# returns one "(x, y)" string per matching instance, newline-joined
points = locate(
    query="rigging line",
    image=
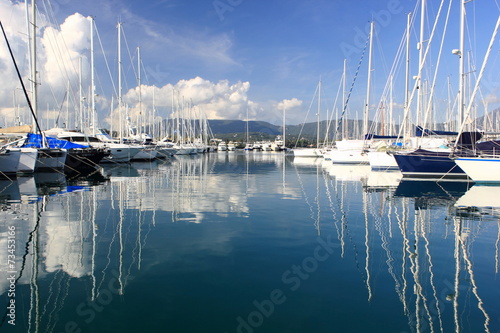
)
(21, 80)
(60, 108)
(430, 102)
(129, 54)
(395, 66)
(308, 110)
(352, 86)
(327, 134)
(105, 60)
(416, 84)
(478, 80)
(57, 49)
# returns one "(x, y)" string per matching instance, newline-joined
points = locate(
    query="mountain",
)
(260, 130)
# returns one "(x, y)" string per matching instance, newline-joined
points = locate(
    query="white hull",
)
(348, 157)
(481, 170)
(120, 153)
(27, 160)
(381, 160)
(350, 145)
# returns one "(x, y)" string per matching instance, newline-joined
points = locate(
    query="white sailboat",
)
(312, 152)
(354, 151)
(482, 169)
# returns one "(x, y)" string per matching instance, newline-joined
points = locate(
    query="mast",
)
(34, 88)
(284, 127)
(119, 26)
(406, 130)
(319, 109)
(368, 86)
(461, 64)
(92, 82)
(80, 93)
(420, 60)
(140, 91)
(344, 90)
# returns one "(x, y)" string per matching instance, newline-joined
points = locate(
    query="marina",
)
(146, 187)
(248, 242)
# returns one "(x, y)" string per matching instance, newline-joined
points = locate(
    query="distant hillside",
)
(261, 130)
(239, 126)
(236, 130)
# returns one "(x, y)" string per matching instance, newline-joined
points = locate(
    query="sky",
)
(242, 59)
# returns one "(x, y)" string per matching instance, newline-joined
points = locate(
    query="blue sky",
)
(231, 58)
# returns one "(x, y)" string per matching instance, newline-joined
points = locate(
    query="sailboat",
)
(484, 168)
(354, 151)
(440, 162)
(48, 158)
(311, 152)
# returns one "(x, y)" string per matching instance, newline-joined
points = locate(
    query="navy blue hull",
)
(427, 164)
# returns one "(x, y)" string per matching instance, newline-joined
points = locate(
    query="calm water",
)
(256, 242)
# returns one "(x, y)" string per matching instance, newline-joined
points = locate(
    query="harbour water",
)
(247, 242)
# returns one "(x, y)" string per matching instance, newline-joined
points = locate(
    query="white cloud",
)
(58, 51)
(12, 16)
(289, 104)
(61, 47)
(217, 100)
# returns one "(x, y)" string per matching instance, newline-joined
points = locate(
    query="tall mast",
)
(120, 82)
(34, 88)
(461, 95)
(420, 60)
(319, 109)
(92, 83)
(140, 91)
(345, 126)
(406, 126)
(368, 86)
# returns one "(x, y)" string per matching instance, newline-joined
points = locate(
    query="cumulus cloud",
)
(216, 100)
(61, 48)
(289, 103)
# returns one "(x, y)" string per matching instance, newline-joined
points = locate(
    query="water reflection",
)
(433, 252)
(424, 253)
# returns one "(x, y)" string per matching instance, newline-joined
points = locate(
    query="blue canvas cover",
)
(35, 141)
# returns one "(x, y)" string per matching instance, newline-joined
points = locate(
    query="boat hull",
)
(9, 161)
(50, 159)
(381, 161)
(27, 160)
(80, 160)
(429, 164)
(481, 170)
(348, 157)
